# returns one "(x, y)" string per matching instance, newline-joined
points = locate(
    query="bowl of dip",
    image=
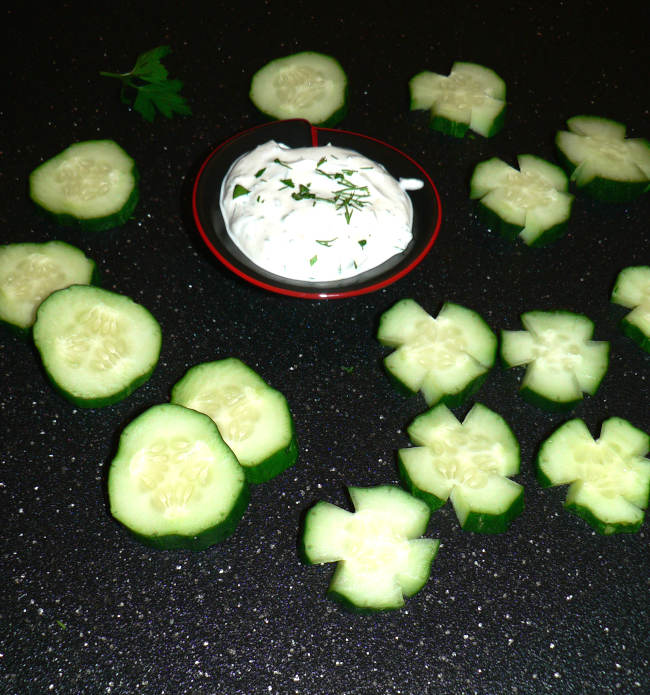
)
(315, 213)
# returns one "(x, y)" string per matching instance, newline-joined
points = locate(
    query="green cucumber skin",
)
(97, 224)
(636, 334)
(355, 609)
(547, 404)
(432, 501)
(584, 513)
(495, 523)
(275, 464)
(459, 130)
(510, 231)
(475, 523)
(104, 401)
(451, 400)
(598, 525)
(203, 540)
(605, 190)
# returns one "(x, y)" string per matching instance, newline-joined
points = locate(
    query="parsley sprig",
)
(148, 89)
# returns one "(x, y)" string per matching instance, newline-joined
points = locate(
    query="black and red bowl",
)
(299, 133)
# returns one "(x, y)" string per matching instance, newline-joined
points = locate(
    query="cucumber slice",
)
(632, 290)
(29, 272)
(562, 360)
(609, 478)
(602, 162)
(447, 357)
(531, 203)
(253, 418)
(380, 557)
(471, 97)
(305, 85)
(97, 346)
(468, 463)
(93, 184)
(173, 482)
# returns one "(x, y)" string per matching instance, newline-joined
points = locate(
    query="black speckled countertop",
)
(548, 607)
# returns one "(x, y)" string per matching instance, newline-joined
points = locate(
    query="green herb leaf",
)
(281, 163)
(362, 242)
(239, 190)
(147, 87)
(326, 242)
(313, 260)
(259, 173)
(288, 183)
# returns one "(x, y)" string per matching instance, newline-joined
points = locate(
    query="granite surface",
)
(549, 606)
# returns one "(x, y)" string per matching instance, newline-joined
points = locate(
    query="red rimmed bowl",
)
(427, 213)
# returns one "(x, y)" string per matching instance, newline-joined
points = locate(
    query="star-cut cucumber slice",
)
(632, 290)
(447, 357)
(471, 97)
(378, 550)
(602, 162)
(530, 203)
(561, 360)
(469, 463)
(608, 478)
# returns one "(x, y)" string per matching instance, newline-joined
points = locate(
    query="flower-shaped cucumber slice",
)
(602, 162)
(381, 557)
(468, 463)
(530, 203)
(562, 361)
(447, 357)
(608, 478)
(632, 290)
(470, 97)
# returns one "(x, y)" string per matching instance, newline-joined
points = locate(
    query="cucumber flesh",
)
(253, 418)
(632, 290)
(602, 162)
(470, 97)
(96, 346)
(561, 359)
(530, 203)
(609, 478)
(469, 463)
(93, 184)
(305, 85)
(174, 483)
(380, 557)
(30, 272)
(446, 357)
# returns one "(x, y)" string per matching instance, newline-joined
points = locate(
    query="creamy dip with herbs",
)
(315, 213)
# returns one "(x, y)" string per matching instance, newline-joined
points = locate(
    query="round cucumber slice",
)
(93, 184)
(97, 346)
(30, 272)
(174, 483)
(253, 418)
(468, 463)
(380, 557)
(305, 85)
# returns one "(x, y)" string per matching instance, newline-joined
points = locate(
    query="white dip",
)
(315, 213)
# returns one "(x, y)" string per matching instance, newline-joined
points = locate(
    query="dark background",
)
(549, 607)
